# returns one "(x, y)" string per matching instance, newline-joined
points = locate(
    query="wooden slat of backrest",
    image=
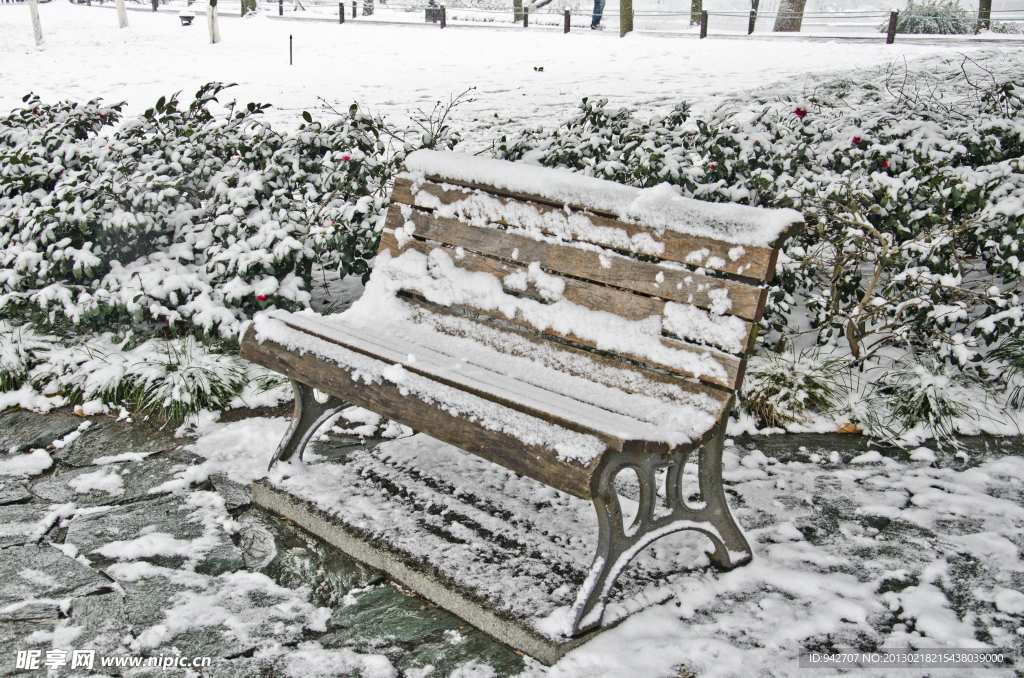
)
(595, 297)
(513, 340)
(754, 262)
(732, 365)
(683, 286)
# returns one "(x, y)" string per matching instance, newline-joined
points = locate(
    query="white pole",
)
(122, 14)
(37, 27)
(211, 18)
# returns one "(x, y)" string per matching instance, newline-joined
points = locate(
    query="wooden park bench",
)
(565, 327)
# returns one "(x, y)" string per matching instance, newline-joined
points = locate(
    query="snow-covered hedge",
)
(934, 16)
(912, 185)
(119, 239)
(180, 218)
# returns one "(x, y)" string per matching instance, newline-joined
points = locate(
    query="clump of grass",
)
(167, 379)
(178, 378)
(21, 348)
(1010, 355)
(781, 389)
(925, 393)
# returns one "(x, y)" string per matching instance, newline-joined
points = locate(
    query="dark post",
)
(753, 16)
(290, 50)
(444, 17)
(890, 37)
(984, 15)
(625, 17)
(341, 12)
(280, 7)
(703, 24)
(566, 26)
(526, 16)
(353, 9)
(155, 4)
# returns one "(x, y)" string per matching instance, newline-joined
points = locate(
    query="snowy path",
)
(397, 69)
(149, 543)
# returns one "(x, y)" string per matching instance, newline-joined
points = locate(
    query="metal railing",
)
(722, 22)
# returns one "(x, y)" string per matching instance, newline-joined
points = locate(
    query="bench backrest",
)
(658, 280)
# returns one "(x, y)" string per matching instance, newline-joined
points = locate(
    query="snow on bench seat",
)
(610, 414)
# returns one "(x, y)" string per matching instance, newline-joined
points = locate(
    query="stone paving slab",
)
(103, 620)
(165, 531)
(22, 524)
(14, 491)
(21, 430)
(32, 572)
(113, 483)
(235, 495)
(110, 438)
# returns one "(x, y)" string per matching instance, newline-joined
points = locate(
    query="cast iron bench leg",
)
(618, 545)
(306, 419)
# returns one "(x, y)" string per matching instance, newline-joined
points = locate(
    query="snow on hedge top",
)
(661, 207)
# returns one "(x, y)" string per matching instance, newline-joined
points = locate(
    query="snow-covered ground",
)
(149, 545)
(397, 69)
(893, 552)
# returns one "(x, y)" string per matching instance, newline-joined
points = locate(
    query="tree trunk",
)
(625, 17)
(211, 19)
(984, 15)
(696, 7)
(37, 28)
(248, 7)
(122, 15)
(791, 16)
(517, 11)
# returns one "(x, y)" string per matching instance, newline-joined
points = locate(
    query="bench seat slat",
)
(514, 340)
(682, 286)
(388, 400)
(754, 262)
(611, 415)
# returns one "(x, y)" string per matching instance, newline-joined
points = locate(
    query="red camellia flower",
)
(855, 141)
(885, 163)
(261, 297)
(346, 158)
(712, 166)
(800, 112)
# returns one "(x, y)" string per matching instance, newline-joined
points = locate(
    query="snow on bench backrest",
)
(551, 250)
(649, 220)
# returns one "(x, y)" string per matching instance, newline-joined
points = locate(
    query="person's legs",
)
(598, 11)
